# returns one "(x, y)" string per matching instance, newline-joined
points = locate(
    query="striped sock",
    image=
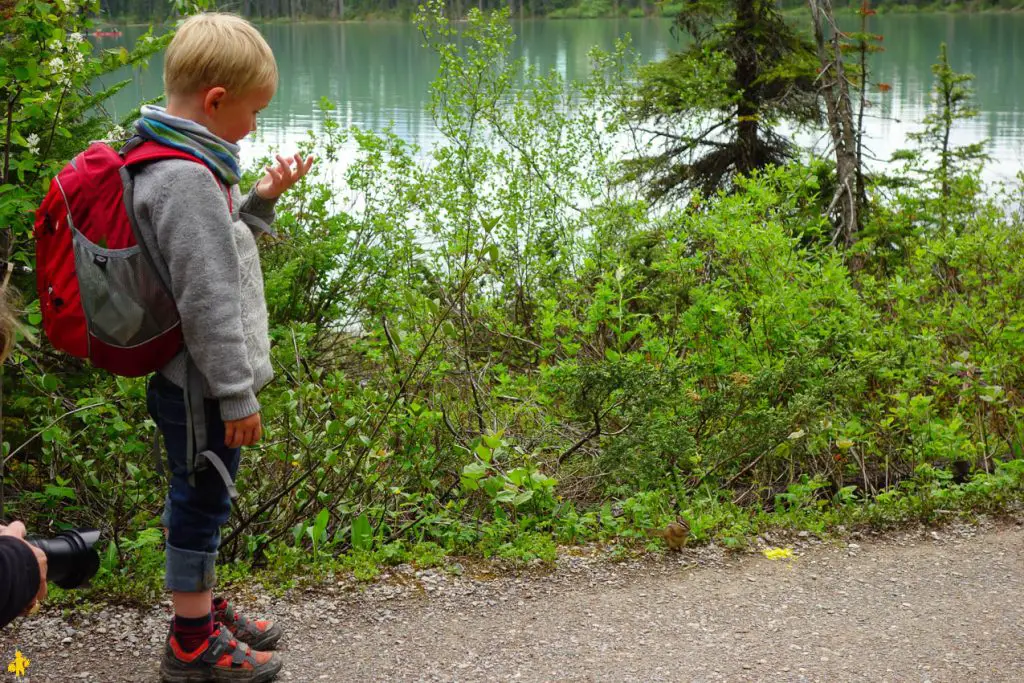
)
(192, 632)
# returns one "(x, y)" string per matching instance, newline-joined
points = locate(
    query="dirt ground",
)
(927, 605)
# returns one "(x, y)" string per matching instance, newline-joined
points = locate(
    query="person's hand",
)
(244, 432)
(17, 529)
(286, 173)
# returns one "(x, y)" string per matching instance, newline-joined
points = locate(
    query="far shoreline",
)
(570, 15)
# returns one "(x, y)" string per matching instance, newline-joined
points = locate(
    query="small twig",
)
(10, 129)
(523, 340)
(392, 346)
(298, 364)
(596, 431)
(451, 429)
(40, 432)
(747, 468)
(56, 118)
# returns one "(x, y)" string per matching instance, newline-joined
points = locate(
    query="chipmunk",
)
(675, 534)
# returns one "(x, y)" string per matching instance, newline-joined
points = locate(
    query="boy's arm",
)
(259, 204)
(262, 209)
(196, 238)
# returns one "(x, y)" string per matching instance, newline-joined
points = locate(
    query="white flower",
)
(63, 71)
(74, 38)
(33, 143)
(115, 134)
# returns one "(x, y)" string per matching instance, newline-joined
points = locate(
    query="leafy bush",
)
(502, 346)
(592, 9)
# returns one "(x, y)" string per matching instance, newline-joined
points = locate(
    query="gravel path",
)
(943, 605)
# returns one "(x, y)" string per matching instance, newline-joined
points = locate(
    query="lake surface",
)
(378, 74)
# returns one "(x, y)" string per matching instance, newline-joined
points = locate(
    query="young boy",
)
(219, 73)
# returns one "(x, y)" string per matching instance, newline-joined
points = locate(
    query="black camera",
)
(71, 559)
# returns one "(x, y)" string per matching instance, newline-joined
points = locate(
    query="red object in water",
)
(107, 34)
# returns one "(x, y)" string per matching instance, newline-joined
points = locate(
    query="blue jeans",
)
(192, 515)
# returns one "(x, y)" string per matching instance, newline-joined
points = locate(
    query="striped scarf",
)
(190, 137)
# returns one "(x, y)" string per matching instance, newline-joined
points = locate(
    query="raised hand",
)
(280, 177)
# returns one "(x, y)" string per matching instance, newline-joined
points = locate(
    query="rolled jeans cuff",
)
(190, 571)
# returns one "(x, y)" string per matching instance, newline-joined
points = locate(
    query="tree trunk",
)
(947, 124)
(845, 207)
(747, 110)
(864, 49)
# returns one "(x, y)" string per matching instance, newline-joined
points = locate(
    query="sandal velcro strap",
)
(221, 644)
(260, 635)
(240, 655)
(224, 643)
(240, 620)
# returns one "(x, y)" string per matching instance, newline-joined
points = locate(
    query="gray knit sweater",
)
(209, 256)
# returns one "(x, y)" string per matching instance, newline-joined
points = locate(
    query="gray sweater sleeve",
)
(195, 237)
(262, 209)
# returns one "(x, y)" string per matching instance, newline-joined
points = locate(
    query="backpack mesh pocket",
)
(124, 301)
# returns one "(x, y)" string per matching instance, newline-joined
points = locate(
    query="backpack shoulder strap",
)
(139, 151)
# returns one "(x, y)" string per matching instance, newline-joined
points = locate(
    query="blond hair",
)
(215, 49)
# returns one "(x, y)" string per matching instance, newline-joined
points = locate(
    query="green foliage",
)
(592, 9)
(47, 106)
(500, 347)
(942, 165)
(522, 549)
(707, 113)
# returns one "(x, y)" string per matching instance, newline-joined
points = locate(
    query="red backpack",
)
(100, 295)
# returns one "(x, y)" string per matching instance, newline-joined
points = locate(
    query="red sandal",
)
(220, 659)
(258, 634)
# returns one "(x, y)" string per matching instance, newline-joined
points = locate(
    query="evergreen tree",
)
(952, 170)
(952, 96)
(709, 111)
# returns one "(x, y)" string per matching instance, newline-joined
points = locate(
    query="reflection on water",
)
(378, 75)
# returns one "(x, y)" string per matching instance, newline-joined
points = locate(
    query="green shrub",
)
(592, 9)
(544, 356)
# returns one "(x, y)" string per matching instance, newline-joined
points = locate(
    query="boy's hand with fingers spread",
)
(244, 432)
(281, 177)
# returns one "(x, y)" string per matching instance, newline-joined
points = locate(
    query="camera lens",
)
(71, 559)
